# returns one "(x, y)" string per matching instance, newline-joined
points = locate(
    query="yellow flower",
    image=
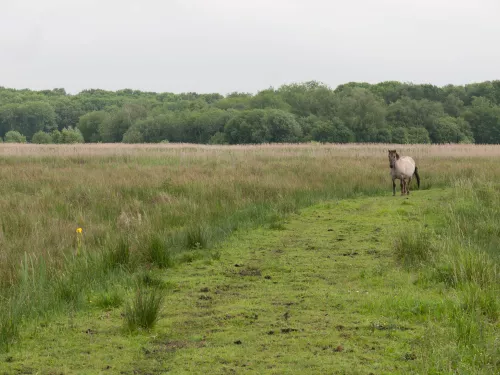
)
(79, 230)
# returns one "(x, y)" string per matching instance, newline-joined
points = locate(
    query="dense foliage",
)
(355, 112)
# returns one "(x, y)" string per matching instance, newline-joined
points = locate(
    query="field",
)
(263, 259)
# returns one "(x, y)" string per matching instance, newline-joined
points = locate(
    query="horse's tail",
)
(417, 176)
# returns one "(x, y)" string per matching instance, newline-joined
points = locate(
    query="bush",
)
(218, 138)
(89, 125)
(133, 136)
(71, 135)
(56, 136)
(13, 136)
(41, 137)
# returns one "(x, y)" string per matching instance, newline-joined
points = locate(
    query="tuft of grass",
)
(461, 266)
(197, 237)
(148, 279)
(68, 291)
(109, 299)
(484, 301)
(158, 253)
(276, 222)
(9, 331)
(469, 329)
(414, 247)
(118, 256)
(144, 310)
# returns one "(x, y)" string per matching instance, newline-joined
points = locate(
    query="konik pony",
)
(402, 168)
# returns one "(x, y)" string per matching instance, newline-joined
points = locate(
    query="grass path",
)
(318, 293)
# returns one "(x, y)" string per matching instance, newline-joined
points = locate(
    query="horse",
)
(402, 168)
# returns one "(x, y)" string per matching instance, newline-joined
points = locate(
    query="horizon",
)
(244, 92)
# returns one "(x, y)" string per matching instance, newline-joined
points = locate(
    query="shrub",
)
(133, 136)
(13, 136)
(71, 135)
(56, 136)
(218, 138)
(41, 137)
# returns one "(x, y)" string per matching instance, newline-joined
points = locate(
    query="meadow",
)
(158, 209)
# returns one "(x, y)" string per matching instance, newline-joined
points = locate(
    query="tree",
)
(282, 126)
(113, 129)
(133, 135)
(90, 123)
(199, 127)
(362, 112)
(67, 111)
(451, 130)
(482, 89)
(418, 135)
(159, 128)
(34, 116)
(333, 131)
(390, 91)
(408, 113)
(8, 117)
(384, 135)
(484, 119)
(453, 106)
(236, 101)
(248, 127)
(400, 135)
(310, 98)
(269, 99)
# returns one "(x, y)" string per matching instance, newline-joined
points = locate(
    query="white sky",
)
(234, 45)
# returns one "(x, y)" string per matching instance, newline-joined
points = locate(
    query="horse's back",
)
(406, 166)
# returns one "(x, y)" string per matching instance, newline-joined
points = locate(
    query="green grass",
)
(323, 294)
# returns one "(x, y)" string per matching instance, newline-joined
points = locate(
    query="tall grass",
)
(144, 311)
(465, 257)
(150, 205)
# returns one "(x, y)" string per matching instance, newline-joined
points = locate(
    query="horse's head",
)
(393, 156)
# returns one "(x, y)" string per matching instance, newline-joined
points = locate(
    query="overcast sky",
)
(234, 45)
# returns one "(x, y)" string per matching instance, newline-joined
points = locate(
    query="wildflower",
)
(79, 237)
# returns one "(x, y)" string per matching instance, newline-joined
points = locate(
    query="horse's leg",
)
(408, 186)
(393, 187)
(402, 185)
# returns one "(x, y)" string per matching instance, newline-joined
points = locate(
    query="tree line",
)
(388, 112)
